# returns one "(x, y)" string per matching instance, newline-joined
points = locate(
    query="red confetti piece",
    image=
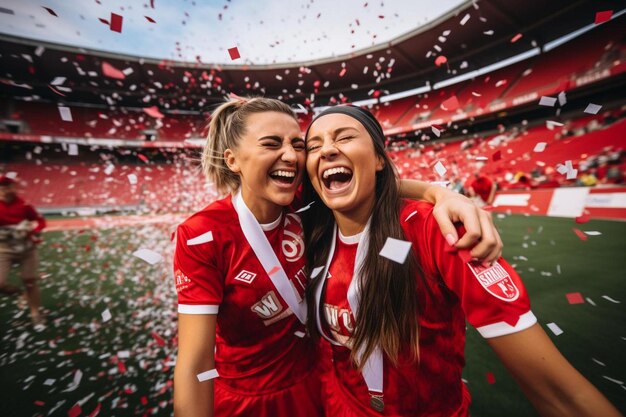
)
(496, 156)
(583, 218)
(152, 3)
(110, 71)
(440, 60)
(581, 235)
(121, 367)
(575, 298)
(75, 411)
(234, 53)
(153, 112)
(450, 104)
(273, 271)
(55, 15)
(342, 72)
(106, 22)
(96, 410)
(56, 91)
(40, 403)
(149, 19)
(144, 400)
(158, 339)
(516, 38)
(491, 378)
(604, 16)
(116, 23)
(143, 157)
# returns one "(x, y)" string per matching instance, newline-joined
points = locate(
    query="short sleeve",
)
(199, 283)
(493, 299)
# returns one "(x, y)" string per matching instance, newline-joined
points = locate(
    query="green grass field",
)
(82, 365)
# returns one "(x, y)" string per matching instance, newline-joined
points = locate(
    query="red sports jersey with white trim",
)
(450, 291)
(259, 343)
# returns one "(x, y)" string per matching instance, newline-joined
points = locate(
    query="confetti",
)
(582, 236)
(540, 147)
(547, 101)
(49, 381)
(299, 333)
(110, 71)
(78, 376)
(436, 131)
(491, 378)
(207, 375)
(305, 208)
(49, 10)
(590, 301)
(598, 362)
(75, 411)
(606, 297)
(342, 72)
(58, 81)
(316, 271)
(153, 112)
(583, 218)
(396, 250)
(550, 124)
(149, 19)
(593, 108)
(6, 11)
(440, 60)
(148, 255)
(410, 215)
(203, 238)
(516, 38)
(66, 114)
(555, 329)
(116, 23)
(562, 98)
(234, 53)
(450, 104)
(72, 149)
(274, 270)
(440, 169)
(593, 233)
(132, 179)
(575, 298)
(106, 315)
(481, 158)
(496, 156)
(465, 19)
(603, 16)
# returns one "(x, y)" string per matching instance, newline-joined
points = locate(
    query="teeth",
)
(288, 174)
(338, 170)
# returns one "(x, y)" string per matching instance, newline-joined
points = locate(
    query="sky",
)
(264, 32)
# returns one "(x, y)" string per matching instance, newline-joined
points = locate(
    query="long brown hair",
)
(227, 126)
(388, 307)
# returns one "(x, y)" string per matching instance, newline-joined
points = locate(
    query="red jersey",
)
(17, 211)
(260, 343)
(450, 291)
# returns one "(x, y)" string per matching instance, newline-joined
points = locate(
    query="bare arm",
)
(549, 381)
(196, 344)
(481, 234)
(492, 194)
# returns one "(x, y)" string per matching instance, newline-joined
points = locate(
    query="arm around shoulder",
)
(196, 346)
(549, 381)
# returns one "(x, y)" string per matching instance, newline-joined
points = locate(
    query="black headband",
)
(364, 117)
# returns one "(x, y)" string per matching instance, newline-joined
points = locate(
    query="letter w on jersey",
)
(496, 281)
(269, 307)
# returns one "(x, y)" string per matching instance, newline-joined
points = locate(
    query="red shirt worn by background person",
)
(259, 348)
(482, 187)
(493, 300)
(17, 211)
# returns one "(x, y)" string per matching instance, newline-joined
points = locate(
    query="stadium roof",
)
(470, 37)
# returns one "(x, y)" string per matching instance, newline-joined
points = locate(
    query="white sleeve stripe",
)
(501, 328)
(198, 309)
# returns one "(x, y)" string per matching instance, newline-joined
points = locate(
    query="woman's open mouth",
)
(336, 179)
(283, 177)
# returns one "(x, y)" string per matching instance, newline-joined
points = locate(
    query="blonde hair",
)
(228, 124)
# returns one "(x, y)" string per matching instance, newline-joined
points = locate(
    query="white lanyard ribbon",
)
(268, 259)
(373, 368)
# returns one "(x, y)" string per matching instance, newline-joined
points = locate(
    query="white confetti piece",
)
(555, 329)
(410, 215)
(109, 169)
(106, 315)
(465, 19)
(148, 255)
(440, 169)
(617, 381)
(316, 271)
(436, 131)
(299, 333)
(551, 124)
(128, 71)
(590, 301)
(78, 376)
(203, 238)
(598, 362)
(123, 354)
(540, 147)
(482, 158)
(593, 233)
(488, 32)
(207, 375)
(547, 101)
(571, 174)
(396, 250)
(606, 297)
(72, 149)
(132, 179)
(39, 50)
(558, 269)
(562, 98)
(66, 114)
(49, 381)
(593, 108)
(58, 81)
(305, 208)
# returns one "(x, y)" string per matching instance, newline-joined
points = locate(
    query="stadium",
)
(107, 146)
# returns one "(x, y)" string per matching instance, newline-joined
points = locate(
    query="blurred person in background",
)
(20, 225)
(481, 190)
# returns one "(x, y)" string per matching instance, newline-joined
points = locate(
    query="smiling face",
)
(342, 165)
(269, 159)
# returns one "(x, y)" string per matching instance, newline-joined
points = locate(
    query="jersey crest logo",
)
(293, 241)
(182, 280)
(246, 276)
(268, 307)
(496, 281)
